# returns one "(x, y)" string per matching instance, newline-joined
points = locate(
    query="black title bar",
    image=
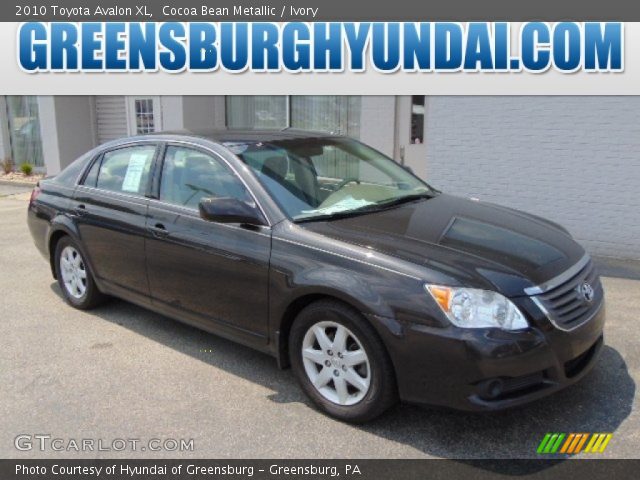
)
(275, 469)
(318, 10)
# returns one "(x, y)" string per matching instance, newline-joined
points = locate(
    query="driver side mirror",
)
(230, 210)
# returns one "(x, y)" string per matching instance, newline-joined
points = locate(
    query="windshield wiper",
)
(374, 207)
(405, 199)
(336, 215)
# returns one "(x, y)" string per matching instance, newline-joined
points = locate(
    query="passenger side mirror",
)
(229, 210)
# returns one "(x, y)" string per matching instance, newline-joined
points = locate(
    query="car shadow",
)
(599, 403)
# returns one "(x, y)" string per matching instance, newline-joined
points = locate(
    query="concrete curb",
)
(17, 184)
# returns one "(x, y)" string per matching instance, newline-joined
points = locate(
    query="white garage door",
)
(111, 117)
(575, 160)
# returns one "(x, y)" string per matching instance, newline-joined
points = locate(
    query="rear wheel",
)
(75, 277)
(341, 363)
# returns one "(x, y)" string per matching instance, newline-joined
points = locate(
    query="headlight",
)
(473, 308)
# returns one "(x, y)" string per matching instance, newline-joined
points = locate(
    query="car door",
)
(215, 274)
(110, 208)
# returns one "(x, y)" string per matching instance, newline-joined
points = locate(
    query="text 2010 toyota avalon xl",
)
(315, 248)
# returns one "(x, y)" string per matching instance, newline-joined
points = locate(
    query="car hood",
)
(474, 243)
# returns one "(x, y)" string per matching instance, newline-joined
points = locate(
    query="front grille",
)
(565, 306)
(519, 384)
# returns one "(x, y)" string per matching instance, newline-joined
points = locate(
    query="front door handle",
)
(159, 230)
(80, 209)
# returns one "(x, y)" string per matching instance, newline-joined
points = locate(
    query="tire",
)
(339, 392)
(75, 277)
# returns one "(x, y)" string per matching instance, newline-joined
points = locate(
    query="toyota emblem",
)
(586, 291)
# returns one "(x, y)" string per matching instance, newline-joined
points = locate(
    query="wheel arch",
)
(55, 237)
(61, 226)
(298, 304)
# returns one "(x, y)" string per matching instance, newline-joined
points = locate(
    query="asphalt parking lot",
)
(124, 372)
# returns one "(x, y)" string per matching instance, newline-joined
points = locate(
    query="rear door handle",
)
(159, 230)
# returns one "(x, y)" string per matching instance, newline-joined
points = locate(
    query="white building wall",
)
(203, 112)
(49, 134)
(67, 127)
(192, 112)
(172, 112)
(219, 112)
(377, 122)
(575, 160)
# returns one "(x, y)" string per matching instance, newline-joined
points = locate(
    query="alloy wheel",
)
(74, 273)
(336, 363)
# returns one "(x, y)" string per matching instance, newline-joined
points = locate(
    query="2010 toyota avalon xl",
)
(321, 251)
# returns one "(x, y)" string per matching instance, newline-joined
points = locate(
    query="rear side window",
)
(70, 174)
(126, 170)
(92, 175)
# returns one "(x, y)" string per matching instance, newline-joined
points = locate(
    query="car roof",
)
(256, 135)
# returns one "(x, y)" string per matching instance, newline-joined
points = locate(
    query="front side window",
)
(126, 170)
(312, 178)
(190, 175)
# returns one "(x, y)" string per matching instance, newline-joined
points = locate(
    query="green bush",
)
(7, 165)
(26, 168)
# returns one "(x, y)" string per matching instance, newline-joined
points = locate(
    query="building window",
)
(331, 113)
(144, 115)
(24, 130)
(257, 111)
(417, 119)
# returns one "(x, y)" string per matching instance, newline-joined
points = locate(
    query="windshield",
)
(313, 178)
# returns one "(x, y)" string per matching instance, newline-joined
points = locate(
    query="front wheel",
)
(341, 363)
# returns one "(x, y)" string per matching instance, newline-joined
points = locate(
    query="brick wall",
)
(575, 160)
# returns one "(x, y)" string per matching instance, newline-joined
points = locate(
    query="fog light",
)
(491, 389)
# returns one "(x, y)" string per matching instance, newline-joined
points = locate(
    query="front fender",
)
(301, 273)
(328, 281)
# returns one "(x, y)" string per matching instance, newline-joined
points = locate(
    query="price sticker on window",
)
(133, 177)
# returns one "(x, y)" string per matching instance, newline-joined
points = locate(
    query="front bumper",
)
(491, 369)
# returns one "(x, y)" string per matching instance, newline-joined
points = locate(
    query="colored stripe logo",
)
(574, 443)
